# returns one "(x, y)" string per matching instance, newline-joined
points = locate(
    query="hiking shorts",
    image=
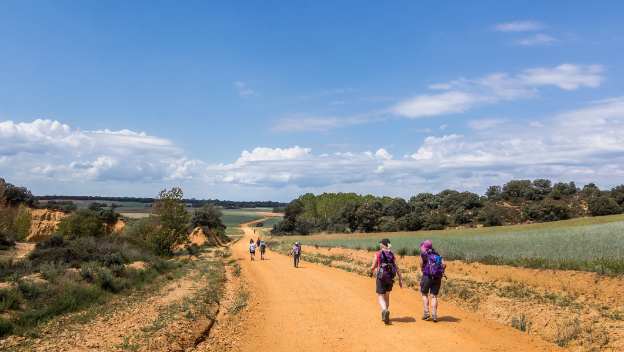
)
(430, 284)
(383, 287)
(262, 250)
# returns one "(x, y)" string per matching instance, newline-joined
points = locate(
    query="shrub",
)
(10, 298)
(52, 270)
(89, 270)
(6, 241)
(548, 210)
(83, 223)
(603, 205)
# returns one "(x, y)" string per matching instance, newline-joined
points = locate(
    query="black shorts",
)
(383, 287)
(262, 249)
(430, 284)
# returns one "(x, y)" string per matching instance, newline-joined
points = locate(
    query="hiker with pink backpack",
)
(385, 265)
(432, 272)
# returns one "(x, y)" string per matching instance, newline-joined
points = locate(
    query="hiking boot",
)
(435, 318)
(425, 316)
(386, 317)
(383, 315)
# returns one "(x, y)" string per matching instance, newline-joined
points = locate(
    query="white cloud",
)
(583, 145)
(565, 76)
(243, 89)
(519, 26)
(436, 104)
(463, 94)
(537, 39)
(51, 149)
(485, 124)
(272, 154)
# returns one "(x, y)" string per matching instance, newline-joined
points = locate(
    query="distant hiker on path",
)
(262, 249)
(385, 265)
(432, 272)
(252, 249)
(296, 253)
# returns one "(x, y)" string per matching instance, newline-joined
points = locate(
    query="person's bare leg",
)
(425, 299)
(382, 302)
(387, 299)
(434, 307)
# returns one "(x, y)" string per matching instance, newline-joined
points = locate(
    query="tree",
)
(547, 210)
(397, 208)
(83, 223)
(173, 218)
(368, 215)
(411, 222)
(617, 193)
(494, 193)
(208, 216)
(541, 188)
(491, 215)
(591, 190)
(561, 190)
(603, 205)
(518, 190)
(13, 196)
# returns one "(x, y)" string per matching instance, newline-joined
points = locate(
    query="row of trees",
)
(195, 203)
(515, 202)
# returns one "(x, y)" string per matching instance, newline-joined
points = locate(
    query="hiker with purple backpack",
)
(385, 265)
(432, 272)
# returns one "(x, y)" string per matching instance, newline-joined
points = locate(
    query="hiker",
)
(432, 272)
(385, 265)
(258, 242)
(262, 249)
(252, 249)
(296, 253)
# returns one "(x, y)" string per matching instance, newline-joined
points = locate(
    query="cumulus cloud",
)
(49, 148)
(583, 145)
(519, 26)
(586, 144)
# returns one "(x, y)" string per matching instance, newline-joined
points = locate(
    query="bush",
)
(388, 224)
(83, 223)
(603, 205)
(6, 241)
(10, 298)
(548, 210)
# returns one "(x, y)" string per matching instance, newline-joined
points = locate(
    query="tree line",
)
(195, 203)
(517, 201)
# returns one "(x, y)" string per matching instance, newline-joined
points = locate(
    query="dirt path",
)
(315, 308)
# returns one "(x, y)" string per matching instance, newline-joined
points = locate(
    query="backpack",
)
(262, 245)
(434, 266)
(296, 250)
(387, 267)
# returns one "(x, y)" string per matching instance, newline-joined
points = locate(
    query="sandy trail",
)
(316, 308)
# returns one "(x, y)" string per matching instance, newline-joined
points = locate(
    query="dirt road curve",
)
(315, 308)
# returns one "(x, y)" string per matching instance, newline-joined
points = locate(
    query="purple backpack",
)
(434, 266)
(387, 268)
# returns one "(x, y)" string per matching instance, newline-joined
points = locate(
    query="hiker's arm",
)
(399, 275)
(373, 266)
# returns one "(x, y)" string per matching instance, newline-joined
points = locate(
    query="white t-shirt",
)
(252, 246)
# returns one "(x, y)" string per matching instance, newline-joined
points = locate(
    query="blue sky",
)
(268, 100)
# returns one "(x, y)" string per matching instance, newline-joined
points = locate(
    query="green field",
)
(589, 244)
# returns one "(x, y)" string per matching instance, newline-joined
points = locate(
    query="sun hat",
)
(386, 243)
(425, 245)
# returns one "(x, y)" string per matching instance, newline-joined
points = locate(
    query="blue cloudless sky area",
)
(217, 78)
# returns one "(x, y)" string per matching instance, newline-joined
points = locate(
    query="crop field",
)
(592, 244)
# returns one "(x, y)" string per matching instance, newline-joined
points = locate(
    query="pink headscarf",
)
(425, 246)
